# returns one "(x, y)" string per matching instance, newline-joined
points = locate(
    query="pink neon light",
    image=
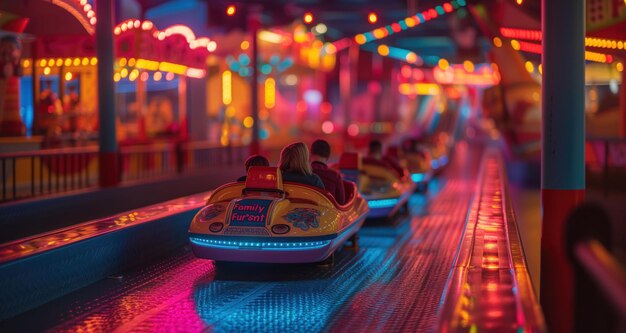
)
(178, 29)
(530, 47)
(521, 33)
(81, 10)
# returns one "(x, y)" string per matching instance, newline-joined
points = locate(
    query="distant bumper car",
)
(385, 190)
(440, 151)
(265, 220)
(419, 164)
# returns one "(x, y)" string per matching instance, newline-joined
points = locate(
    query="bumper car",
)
(419, 164)
(267, 221)
(440, 152)
(385, 190)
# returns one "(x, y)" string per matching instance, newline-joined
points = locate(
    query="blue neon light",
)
(440, 162)
(270, 246)
(382, 203)
(434, 164)
(418, 177)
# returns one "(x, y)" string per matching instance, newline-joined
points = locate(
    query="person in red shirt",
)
(333, 182)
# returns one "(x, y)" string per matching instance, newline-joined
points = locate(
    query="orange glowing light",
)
(411, 57)
(468, 65)
(308, 18)
(497, 42)
(383, 50)
(230, 10)
(372, 18)
(515, 45)
(360, 39)
(443, 64)
(330, 48)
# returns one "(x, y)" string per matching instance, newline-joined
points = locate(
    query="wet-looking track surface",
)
(393, 283)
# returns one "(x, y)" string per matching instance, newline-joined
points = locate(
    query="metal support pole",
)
(563, 150)
(106, 93)
(253, 26)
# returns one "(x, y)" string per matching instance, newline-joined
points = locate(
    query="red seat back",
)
(349, 166)
(264, 179)
(349, 161)
(393, 152)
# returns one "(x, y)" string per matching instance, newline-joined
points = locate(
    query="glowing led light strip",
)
(86, 18)
(535, 35)
(269, 245)
(398, 53)
(178, 29)
(404, 24)
(419, 88)
(536, 48)
(382, 203)
(152, 65)
(480, 75)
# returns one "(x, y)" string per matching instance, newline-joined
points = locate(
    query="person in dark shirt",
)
(254, 160)
(295, 166)
(333, 182)
(375, 157)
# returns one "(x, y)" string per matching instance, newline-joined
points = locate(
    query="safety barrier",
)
(37, 269)
(599, 278)
(489, 287)
(45, 172)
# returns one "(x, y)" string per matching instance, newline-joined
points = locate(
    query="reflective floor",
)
(393, 283)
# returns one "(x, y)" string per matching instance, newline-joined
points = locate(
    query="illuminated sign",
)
(249, 212)
(481, 75)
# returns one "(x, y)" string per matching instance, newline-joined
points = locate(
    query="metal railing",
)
(33, 174)
(599, 278)
(44, 172)
(148, 161)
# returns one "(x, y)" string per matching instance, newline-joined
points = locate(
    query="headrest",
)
(393, 152)
(266, 178)
(349, 161)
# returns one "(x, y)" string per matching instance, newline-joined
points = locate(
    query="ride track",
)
(393, 283)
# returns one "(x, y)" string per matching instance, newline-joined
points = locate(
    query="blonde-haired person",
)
(295, 165)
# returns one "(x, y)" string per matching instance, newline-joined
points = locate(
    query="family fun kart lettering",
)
(249, 212)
